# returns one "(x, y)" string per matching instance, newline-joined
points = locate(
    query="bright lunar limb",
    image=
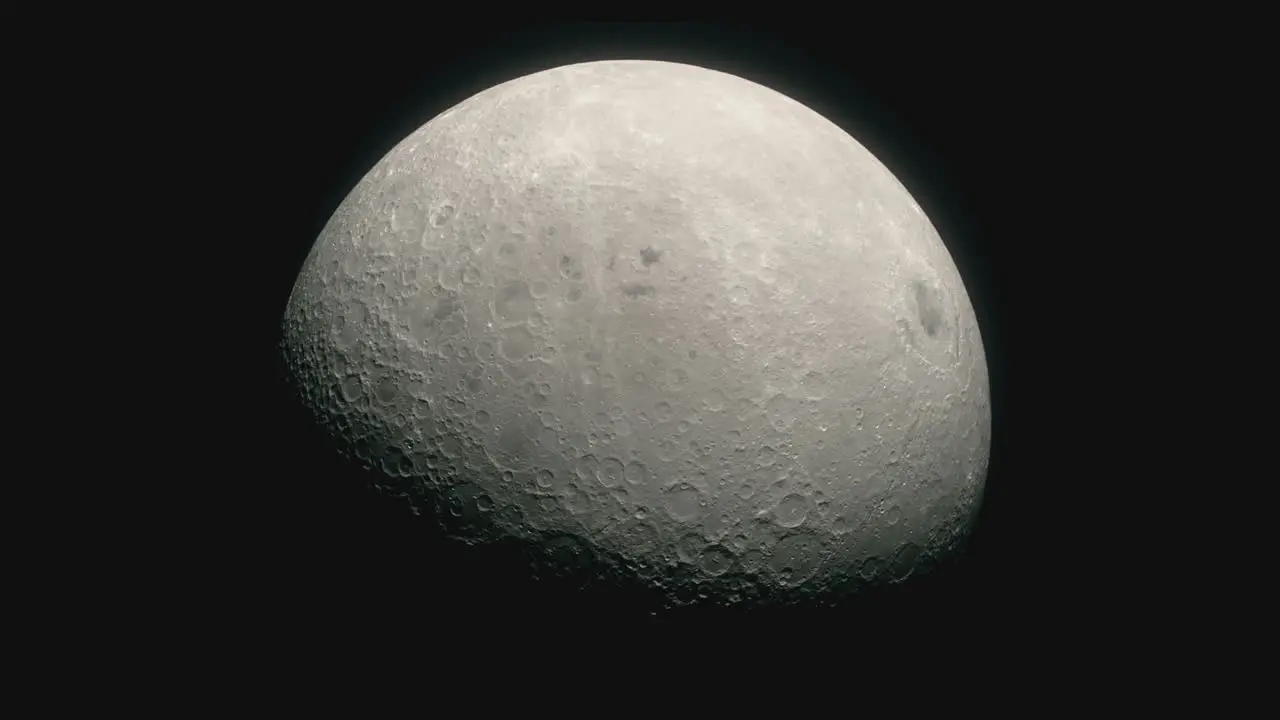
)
(655, 322)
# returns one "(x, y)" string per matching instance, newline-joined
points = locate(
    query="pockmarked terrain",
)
(655, 324)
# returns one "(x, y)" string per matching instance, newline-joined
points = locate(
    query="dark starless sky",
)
(947, 110)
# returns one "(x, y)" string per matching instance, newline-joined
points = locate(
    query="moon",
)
(653, 324)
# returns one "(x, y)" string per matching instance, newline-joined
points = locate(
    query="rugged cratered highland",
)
(654, 323)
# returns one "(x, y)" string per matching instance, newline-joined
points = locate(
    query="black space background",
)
(965, 117)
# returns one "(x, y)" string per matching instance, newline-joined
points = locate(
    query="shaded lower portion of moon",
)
(636, 563)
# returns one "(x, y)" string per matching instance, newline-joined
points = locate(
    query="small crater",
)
(588, 467)
(442, 215)
(446, 304)
(466, 503)
(515, 302)
(689, 547)
(636, 473)
(387, 389)
(683, 502)
(893, 515)
(509, 253)
(716, 400)
(471, 274)
(815, 385)
(752, 560)
(351, 388)
(795, 559)
(669, 449)
(611, 472)
(904, 562)
(677, 379)
(436, 313)
(766, 456)
(716, 560)
(640, 536)
(517, 343)
(871, 569)
(663, 411)
(570, 268)
(792, 511)
(649, 256)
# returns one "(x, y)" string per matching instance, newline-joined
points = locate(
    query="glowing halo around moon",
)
(656, 323)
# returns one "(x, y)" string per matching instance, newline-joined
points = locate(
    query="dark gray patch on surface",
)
(649, 256)
(928, 307)
(441, 215)
(570, 268)
(634, 290)
(447, 303)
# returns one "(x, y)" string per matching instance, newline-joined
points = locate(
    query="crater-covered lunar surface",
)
(659, 324)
